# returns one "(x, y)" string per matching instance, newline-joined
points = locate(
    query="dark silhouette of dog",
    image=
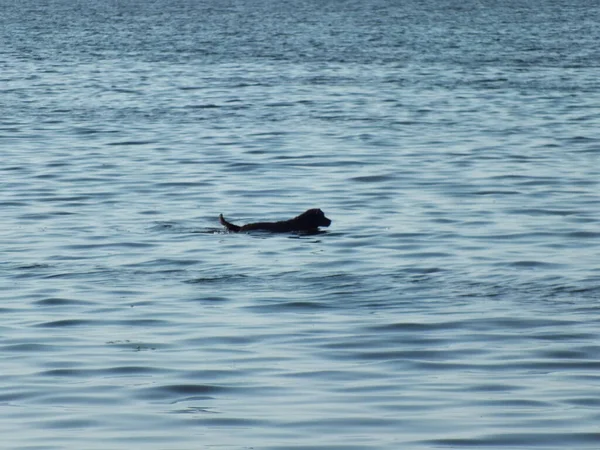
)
(307, 222)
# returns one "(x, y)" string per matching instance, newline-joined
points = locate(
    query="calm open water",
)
(453, 303)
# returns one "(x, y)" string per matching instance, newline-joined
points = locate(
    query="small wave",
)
(67, 424)
(542, 212)
(130, 143)
(374, 178)
(217, 279)
(58, 301)
(173, 391)
(66, 323)
(290, 307)
(497, 192)
(519, 440)
(29, 348)
(530, 264)
(203, 106)
(584, 234)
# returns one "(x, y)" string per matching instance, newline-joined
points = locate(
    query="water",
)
(454, 301)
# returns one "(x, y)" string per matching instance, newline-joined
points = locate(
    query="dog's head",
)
(314, 218)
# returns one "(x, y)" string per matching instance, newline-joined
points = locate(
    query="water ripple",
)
(452, 303)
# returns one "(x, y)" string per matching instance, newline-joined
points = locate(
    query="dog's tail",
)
(229, 226)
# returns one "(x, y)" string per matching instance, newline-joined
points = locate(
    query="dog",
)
(309, 222)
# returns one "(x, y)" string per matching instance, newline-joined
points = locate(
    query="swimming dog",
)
(308, 221)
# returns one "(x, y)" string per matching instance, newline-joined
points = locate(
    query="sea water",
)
(453, 303)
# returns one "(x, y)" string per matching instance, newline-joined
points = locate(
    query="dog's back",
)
(309, 220)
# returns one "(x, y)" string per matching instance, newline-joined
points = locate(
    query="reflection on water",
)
(452, 303)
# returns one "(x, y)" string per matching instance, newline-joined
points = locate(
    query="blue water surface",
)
(453, 303)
